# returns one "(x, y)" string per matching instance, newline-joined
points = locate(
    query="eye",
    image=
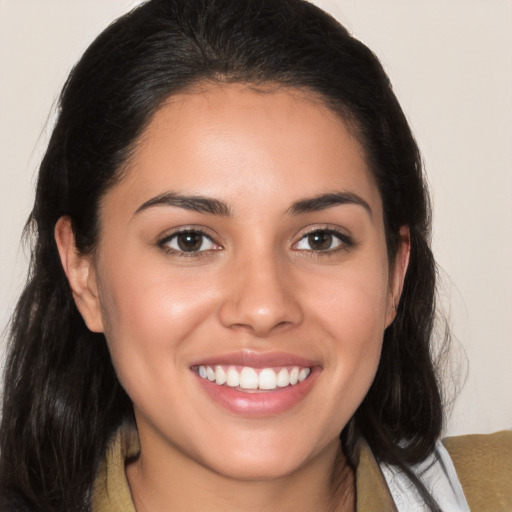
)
(323, 240)
(189, 242)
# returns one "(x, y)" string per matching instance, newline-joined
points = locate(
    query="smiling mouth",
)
(253, 379)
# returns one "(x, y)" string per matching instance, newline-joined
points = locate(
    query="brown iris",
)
(189, 241)
(320, 240)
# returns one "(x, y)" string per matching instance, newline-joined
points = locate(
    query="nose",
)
(259, 297)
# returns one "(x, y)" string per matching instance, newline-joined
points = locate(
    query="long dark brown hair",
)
(62, 401)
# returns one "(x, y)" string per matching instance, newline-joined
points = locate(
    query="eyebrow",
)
(212, 206)
(199, 204)
(329, 200)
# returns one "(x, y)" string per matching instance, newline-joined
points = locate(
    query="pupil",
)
(189, 242)
(320, 241)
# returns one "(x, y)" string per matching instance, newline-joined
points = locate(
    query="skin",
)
(258, 287)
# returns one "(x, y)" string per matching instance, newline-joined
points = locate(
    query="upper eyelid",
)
(336, 230)
(167, 235)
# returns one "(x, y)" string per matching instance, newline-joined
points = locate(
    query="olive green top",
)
(483, 464)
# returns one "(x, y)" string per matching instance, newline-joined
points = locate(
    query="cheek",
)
(352, 303)
(152, 298)
(351, 307)
(147, 316)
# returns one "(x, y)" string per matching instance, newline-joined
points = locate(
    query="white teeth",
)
(267, 379)
(283, 378)
(249, 378)
(303, 374)
(220, 375)
(210, 374)
(232, 377)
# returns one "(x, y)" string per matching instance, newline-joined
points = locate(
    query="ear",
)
(397, 273)
(79, 270)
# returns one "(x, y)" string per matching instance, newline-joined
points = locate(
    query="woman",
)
(232, 292)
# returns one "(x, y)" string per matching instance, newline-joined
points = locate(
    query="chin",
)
(258, 467)
(266, 459)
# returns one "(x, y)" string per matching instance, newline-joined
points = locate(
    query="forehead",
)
(227, 140)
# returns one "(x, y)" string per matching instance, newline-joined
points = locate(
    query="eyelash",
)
(345, 242)
(165, 242)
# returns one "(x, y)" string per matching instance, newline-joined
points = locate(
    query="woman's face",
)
(244, 243)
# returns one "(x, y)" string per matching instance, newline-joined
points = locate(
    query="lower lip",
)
(257, 403)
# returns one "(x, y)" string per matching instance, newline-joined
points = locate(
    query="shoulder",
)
(484, 466)
(110, 492)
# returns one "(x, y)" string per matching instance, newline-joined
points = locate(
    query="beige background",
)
(451, 65)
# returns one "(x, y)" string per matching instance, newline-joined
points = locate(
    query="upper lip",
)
(256, 359)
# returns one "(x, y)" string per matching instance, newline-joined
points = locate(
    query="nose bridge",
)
(259, 298)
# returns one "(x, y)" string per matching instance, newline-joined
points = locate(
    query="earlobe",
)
(81, 275)
(398, 273)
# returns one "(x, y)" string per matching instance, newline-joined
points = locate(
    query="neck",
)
(326, 484)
